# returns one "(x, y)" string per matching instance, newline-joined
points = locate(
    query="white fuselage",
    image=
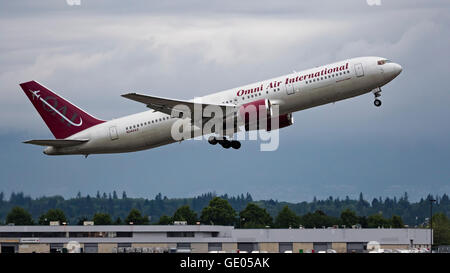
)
(293, 92)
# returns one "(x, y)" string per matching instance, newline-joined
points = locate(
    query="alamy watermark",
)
(73, 2)
(257, 120)
(373, 2)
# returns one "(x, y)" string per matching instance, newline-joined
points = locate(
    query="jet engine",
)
(283, 121)
(255, 113)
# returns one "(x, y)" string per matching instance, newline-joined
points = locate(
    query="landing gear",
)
(377, 102)
(212, 140)
(377, 93)
(225, 143)
(235, 144)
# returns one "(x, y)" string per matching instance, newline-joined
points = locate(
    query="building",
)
(202, 238)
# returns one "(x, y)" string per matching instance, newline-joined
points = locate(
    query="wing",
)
(171, 106)
(56, 142)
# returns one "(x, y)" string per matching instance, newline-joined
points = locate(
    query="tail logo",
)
(36, 95)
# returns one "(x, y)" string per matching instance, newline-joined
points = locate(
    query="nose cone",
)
(392, 70)
(397, 69)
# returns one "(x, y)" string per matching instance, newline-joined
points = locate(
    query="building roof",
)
(213, 233)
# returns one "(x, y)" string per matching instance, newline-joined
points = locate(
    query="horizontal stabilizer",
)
(58, 143)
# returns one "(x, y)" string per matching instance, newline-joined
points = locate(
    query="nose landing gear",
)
(377, 102)
(377, 93)
(225, 143)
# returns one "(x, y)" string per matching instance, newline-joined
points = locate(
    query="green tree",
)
(218, 212)
(136, 218)
(362, 220)
(287, 218)
(441, 229)
(397, 222)
(102, 219)
(19, 217)
(184, 213)
(165, 220)
(118, 221)
(81, 220)
(254, 217)
(318, 219)
(349, 218)
(377, 220)
(52, 215)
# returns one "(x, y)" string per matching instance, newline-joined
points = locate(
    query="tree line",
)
(118, 206)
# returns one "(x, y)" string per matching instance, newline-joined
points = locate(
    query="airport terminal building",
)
(202, 239)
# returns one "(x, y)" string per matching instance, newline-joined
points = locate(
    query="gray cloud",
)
(93, 53)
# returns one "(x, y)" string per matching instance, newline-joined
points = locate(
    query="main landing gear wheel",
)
(224, 142)
(212, 140)
(235, 144)
(377, 103)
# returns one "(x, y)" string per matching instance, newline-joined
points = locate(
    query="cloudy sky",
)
(96, 51)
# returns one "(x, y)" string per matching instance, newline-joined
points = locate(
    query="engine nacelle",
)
(258, 115)
(283, 121)
(255, 113)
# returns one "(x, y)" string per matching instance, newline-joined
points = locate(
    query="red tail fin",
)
(62, 117)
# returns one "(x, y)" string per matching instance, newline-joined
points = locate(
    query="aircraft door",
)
(359, 70)
(113, 133)
(290, 88)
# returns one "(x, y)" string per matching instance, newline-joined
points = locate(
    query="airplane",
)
(77, 132)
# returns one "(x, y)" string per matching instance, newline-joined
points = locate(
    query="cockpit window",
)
(385, 61)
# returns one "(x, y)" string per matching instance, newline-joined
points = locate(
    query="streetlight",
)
(240, 221)
(431, 224)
